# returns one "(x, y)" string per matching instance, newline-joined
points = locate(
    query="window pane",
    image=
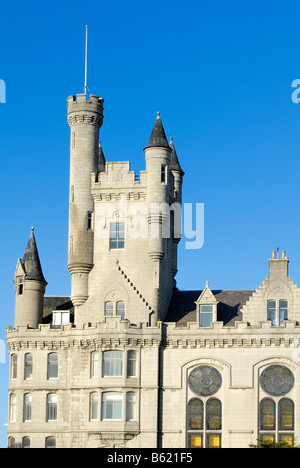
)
(13, 408)
(131, 364)
(214, 441)
(117, 236)
(283, 312)
(287, 438)
(51, 407)
(207, 308)
(196, 441)
(196, 414)
(267, 438)
(286, 415)
(206, 320)
(27, 407)
(95, 364)
(108, 309)
(112, 406)
(214, 414)
(121, 309)
(52, 366)
(267, 415)
(26, 442)
(272, 312)
(112, 364)
(130, 406)
(94, 406)
(14, 366)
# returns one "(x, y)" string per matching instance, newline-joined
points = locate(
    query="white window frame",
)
(116, 400)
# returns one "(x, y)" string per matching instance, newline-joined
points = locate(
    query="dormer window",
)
(278, 312)
(206, 315)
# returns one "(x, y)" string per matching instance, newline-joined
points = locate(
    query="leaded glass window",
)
(195, 441)
(277, 380)
(214, 414)
(267, 415)
(205, 381)
(195, 414)
(286, 414)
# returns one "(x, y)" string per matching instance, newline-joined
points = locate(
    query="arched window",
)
(214, 415)
(28, 370)
(94, 399)
(13, 408)
(51, 407)
(267, 415)
(26, 442)
(11, 442)
(50, 442)
(27, 407)
(95, 364)
(130, 406)
(52, 370)
(14, 367)
(195, 414)
(131, 364)
(286, 414)
(109, 309)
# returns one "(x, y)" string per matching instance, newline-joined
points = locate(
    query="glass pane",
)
(95, 364)
(287, 438)
(206, 320)
(267, 414)
(214, 441)
(131, 364)
(267, 438)
(28, 366)
(14, 366)
(207, 308)
(50, 442)
(52, 407)
(108, 309)
(52, 366)
(26, 442)
(94, 407)
(121, 309)
(112, 364)
(286, 415)
(131, 406)
(196, 441)
(272, 317)
(111, 406)
(214, 414)
(196, 414)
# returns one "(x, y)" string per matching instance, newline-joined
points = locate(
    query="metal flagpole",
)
(86, 42)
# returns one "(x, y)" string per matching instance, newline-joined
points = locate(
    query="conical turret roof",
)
(158, 137)
(174, 161)
(31, 261)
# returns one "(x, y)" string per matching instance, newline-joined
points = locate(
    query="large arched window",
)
(195, 414)
(267, 415)
(214, 415)
(286, 412)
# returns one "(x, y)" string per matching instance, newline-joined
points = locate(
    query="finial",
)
(171, 139)
(86, 50)
(158, 115)
(32, 229)
(207, 284)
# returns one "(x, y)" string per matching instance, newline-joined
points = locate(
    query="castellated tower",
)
(30, 287)
(135, 251)
(85, 118)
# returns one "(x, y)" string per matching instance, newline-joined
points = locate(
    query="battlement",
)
(118, 175)
(81, 109)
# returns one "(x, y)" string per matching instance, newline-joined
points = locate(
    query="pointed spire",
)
(158, 137)
(174, 162)
(101, 159)
(31, 261)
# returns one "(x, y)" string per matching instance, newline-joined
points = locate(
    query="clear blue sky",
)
(219, 72)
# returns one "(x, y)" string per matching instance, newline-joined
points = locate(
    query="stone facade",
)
(128, 360)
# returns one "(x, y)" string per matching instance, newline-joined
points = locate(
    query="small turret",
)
(158, 153)
(30, 286)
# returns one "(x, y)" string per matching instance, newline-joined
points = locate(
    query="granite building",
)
(129, 360)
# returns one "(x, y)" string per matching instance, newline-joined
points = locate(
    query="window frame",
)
(28, 365)
(116, 240)
(14, 366)
(27, 407)
(52, 406)
(112, 363)
(52, 365)
(116, 406)
(206, 313)
(280, 314)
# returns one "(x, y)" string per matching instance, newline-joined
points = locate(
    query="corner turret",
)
(30, 286)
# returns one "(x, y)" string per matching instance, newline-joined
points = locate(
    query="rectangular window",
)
(206, 315)
(112, 364)
(163, 174)
(89, 221)
(117, 236)
(112, 406)
(13, 408)
(214, 441)
(272, 312)
(20, 286)
(14, 367)
(283, 312)
(195, 441)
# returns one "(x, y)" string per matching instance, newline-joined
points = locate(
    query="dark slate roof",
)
(158, 137)
(31, 261)
(56, 303)
(183, 308)
(174, 163)
(101, 159)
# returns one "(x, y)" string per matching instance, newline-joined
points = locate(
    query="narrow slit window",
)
(90, 221)
(163, 174)
(20, 286)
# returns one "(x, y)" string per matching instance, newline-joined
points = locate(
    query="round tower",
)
(158, 153)
(85, 118)
(30, 287)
